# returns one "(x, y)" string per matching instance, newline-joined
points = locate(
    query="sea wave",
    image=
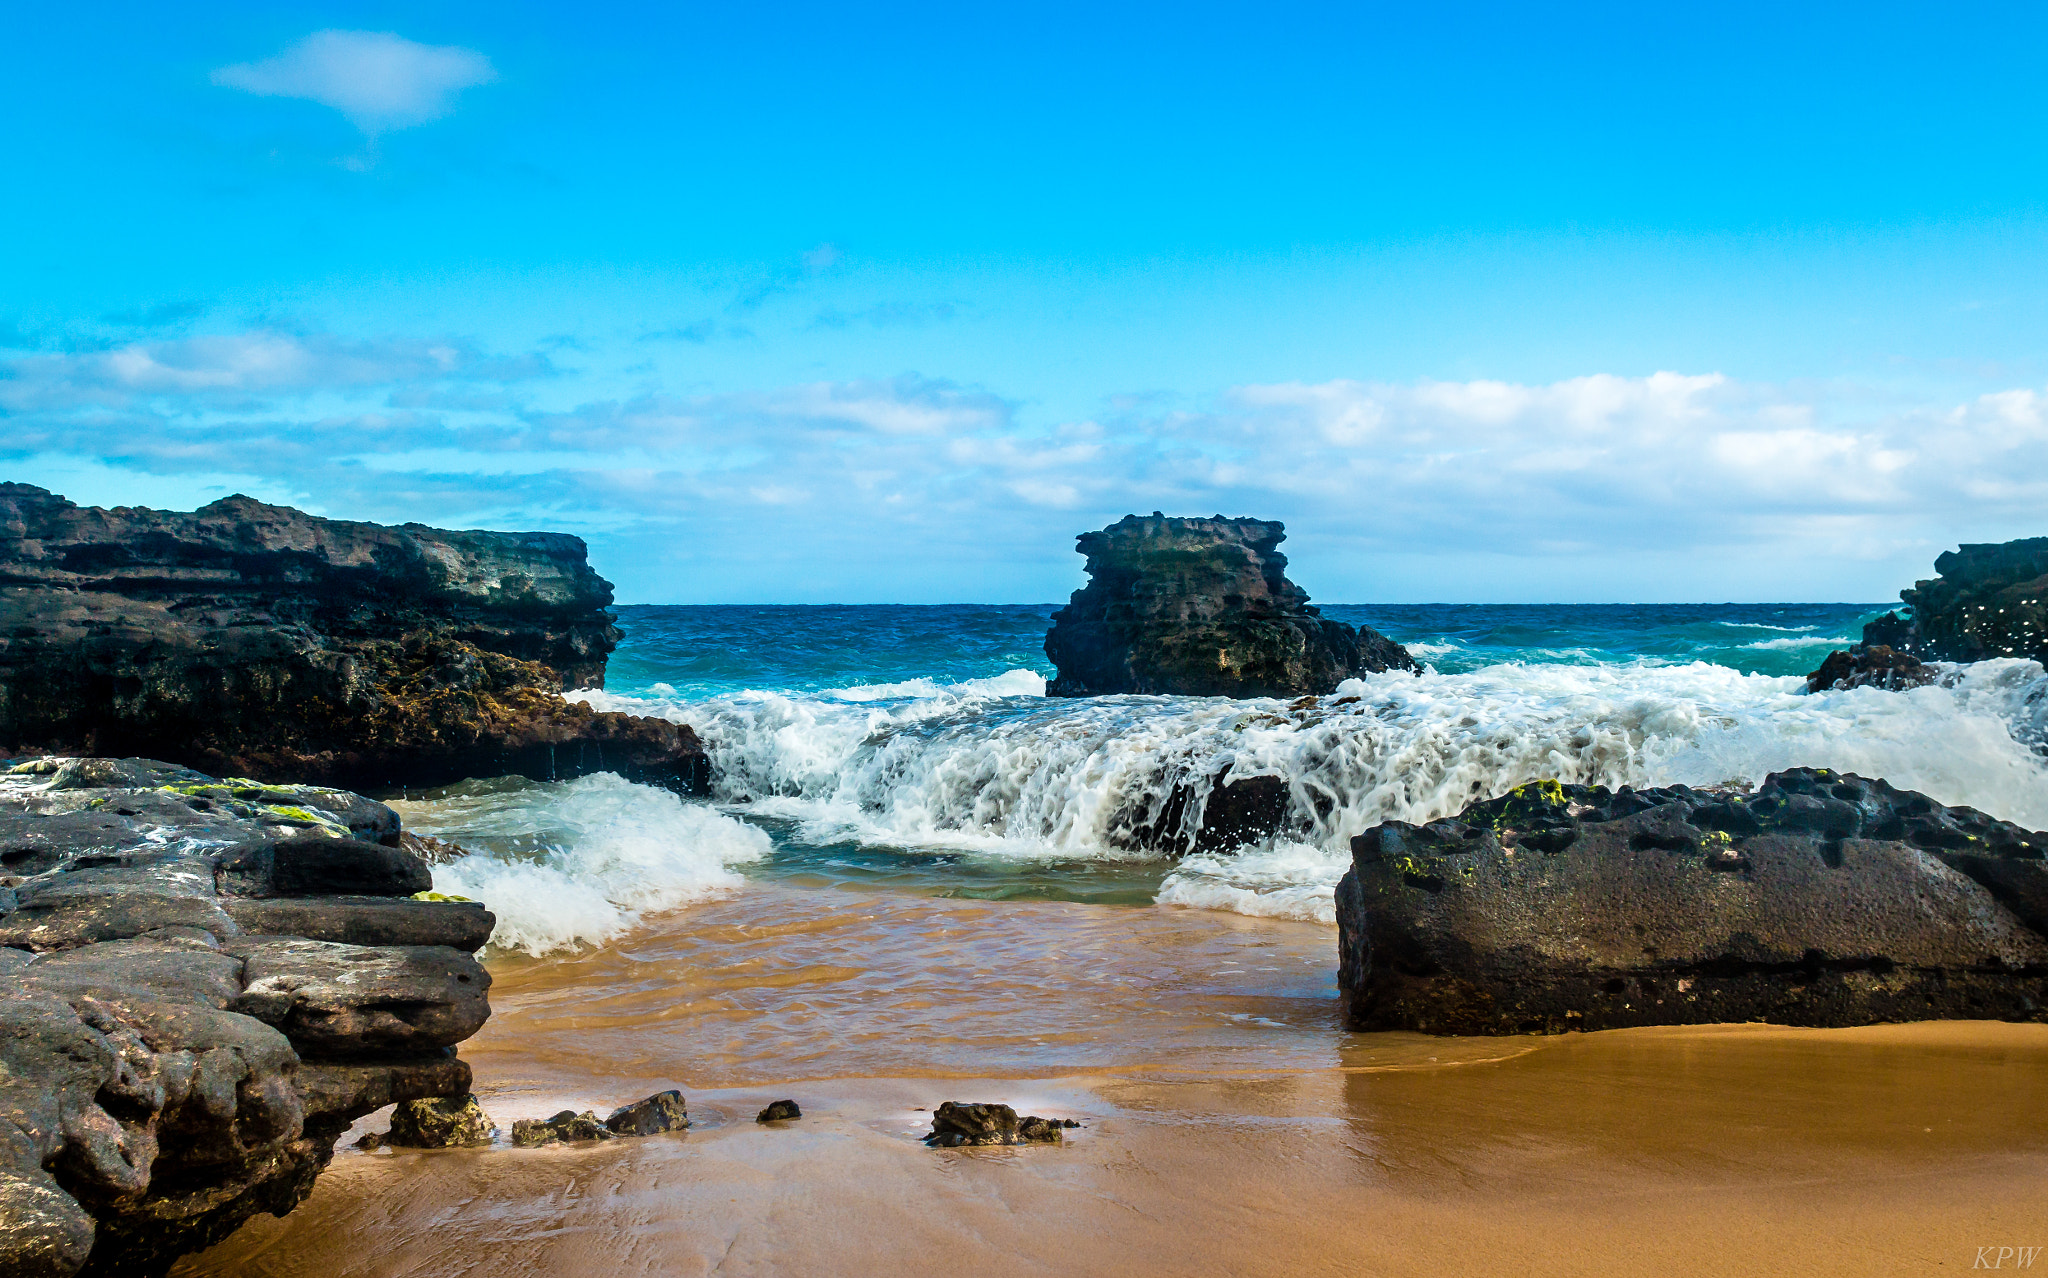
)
(1803, 641)
(573, 863)
(989, 767)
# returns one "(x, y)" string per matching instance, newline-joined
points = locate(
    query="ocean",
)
(912, 749)
(914, 884)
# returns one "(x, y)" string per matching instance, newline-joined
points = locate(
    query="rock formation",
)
(1988, 600)
(1821, 899)
(955, 1125)
(254, 640)
(1201, 607)
(206, 983)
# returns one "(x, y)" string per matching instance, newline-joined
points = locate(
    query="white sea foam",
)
(1803, 641)
(990, 767)
(574, 863)
(1762, 625)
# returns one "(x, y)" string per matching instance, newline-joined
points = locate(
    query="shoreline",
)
(1451, 1168)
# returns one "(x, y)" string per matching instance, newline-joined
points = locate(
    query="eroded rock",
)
(144, 1115)
(781, 1111)
(259, 641)
(955, 1125)
(1201, 607)
(440, 1122)
(1822, 899)
(661, 1112)
(568, 1125)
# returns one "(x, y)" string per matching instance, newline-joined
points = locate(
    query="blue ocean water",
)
(702, 651)
(913, 748)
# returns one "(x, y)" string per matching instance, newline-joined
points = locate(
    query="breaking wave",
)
(994, 768)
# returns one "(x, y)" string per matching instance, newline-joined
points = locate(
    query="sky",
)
(886, 303)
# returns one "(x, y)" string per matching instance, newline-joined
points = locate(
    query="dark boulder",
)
(439, 1122)
(955, 1125)
(1871, 666)
(258, 641)
(781, 1111)
(528, 1133)
(1822, 899)
(661, 1112)
(1201, 607)
(170, 1073)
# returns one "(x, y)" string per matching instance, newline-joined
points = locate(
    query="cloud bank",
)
(838, 489)
(379, 80)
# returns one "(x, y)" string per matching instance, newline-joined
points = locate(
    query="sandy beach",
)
(1230, 1125)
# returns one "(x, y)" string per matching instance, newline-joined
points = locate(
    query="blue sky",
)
(809, 303)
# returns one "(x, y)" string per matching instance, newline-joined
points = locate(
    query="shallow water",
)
(1231, 1126)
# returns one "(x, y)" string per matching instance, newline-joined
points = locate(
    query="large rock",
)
(168, 1071)
(1821, 899)
(1202, 607)
(253, 640)
(1986, 600)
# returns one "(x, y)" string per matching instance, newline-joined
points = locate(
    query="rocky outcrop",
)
(254, 640)
(205, 983)
(1202, 607)
(1822, 899)
(1987, 600)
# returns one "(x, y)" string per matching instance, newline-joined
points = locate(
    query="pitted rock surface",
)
(1202, 607)
(170, 1072)
(1822, 899)
(258, 640)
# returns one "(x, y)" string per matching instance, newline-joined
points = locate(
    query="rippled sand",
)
(1231, 1126)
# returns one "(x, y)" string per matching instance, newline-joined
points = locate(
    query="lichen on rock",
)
(183, 1044)
(1820, 899)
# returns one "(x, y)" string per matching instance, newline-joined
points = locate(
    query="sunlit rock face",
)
(1202, 607)
(1821, 898)
(255, 640)
(203, 982)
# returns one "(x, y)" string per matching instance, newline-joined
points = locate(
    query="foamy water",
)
(994, 768)
(579, 862)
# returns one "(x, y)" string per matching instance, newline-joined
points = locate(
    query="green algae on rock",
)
(1822, 899)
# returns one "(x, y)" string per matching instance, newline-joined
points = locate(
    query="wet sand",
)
(1231, 1126)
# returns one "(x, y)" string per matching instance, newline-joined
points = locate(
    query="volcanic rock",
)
(779, 1112)
(439, 1122)
(565, 1126)
(1202, 607)
(1871, 666)
(168, 1072)
(955, 1125)
(1822, 899)
(661, 1112)
(254, 640)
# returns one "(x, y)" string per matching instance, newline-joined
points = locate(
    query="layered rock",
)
(1822, 899)
(1202, 607)
(174, 1064)
(1986, 600)
(254, 640)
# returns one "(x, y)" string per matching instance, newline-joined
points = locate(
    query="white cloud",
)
(1711, 472)
(379, 80)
